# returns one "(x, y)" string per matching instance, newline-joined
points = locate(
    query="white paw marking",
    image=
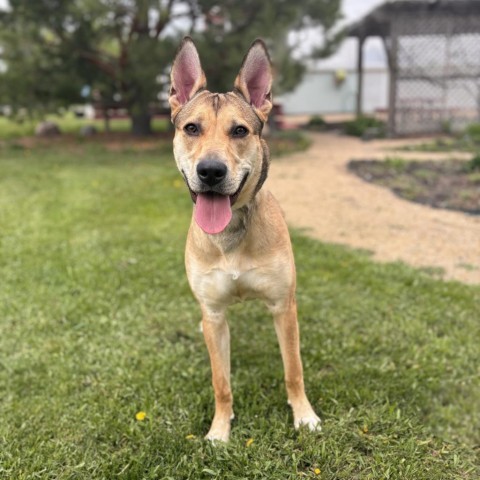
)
(217, 436)
(312, 422)
(220, 431)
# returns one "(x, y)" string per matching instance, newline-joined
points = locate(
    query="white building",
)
(330, 85)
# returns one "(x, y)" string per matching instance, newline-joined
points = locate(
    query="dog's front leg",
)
(286, 327)
(217, 338)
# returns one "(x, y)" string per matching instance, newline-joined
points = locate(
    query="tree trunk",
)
(106, 120)
(141, 123)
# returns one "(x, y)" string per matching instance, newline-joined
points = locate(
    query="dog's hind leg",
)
(286, 327)
(217, 338)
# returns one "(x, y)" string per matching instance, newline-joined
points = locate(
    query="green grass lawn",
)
(97, 323)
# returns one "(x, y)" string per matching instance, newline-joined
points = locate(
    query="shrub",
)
(473, 164)
(399, 165)
(362, 124)
(316, 123)
(473, 132)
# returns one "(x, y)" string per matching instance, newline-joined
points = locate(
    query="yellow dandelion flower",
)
(317, 471)
(249, 442)
(365, 428)
(141, 416)
(190, 436)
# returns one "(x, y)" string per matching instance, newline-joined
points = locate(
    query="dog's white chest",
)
(235, 274)
(225, 284)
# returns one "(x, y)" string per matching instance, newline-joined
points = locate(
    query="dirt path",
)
(319, 194)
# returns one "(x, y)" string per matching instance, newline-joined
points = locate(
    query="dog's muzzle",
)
(233, 197)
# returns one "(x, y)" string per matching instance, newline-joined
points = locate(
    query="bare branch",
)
(96, 59)
(164, 17)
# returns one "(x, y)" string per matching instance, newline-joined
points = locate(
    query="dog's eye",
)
(239, 131)
(191, 129)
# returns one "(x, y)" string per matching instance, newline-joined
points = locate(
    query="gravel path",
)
(319, 194)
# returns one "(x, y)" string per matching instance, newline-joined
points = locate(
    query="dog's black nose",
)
(211, 172)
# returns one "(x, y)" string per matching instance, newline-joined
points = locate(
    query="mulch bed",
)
(448, 184)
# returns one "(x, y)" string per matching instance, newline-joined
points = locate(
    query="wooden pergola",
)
(407, 20)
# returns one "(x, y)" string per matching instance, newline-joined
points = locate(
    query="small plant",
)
(396, 163)
(446, 126)
(442, 144)
(474, 177)
(473, 132)
(363, 124)
(473, 165)
(317, 123)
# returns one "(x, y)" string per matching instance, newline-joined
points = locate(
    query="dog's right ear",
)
(254, 81)
(187, 76)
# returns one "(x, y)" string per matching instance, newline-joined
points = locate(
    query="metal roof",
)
(378, 21)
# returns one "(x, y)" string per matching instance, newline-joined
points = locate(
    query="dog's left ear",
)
(187, 76)
(254, 80)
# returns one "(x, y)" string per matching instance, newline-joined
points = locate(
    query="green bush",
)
(397, 164)
(473, 132)
(473, 164)
(317, 123)
(361, 124)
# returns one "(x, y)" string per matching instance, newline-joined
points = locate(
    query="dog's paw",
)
(217, 436)
(304, 416)
(220, 430)
(312, 422)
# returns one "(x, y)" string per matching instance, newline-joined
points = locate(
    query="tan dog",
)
(238, 244)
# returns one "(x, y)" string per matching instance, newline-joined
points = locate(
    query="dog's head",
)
(217, 145)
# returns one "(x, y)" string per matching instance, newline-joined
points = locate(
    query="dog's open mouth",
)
(213, 211)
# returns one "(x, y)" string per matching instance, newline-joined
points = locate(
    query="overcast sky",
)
(346, 56)
(374, 52)
(355, 9)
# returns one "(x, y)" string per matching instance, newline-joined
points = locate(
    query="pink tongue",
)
(213, 212)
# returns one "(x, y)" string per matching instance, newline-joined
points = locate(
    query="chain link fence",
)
(435, 68)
